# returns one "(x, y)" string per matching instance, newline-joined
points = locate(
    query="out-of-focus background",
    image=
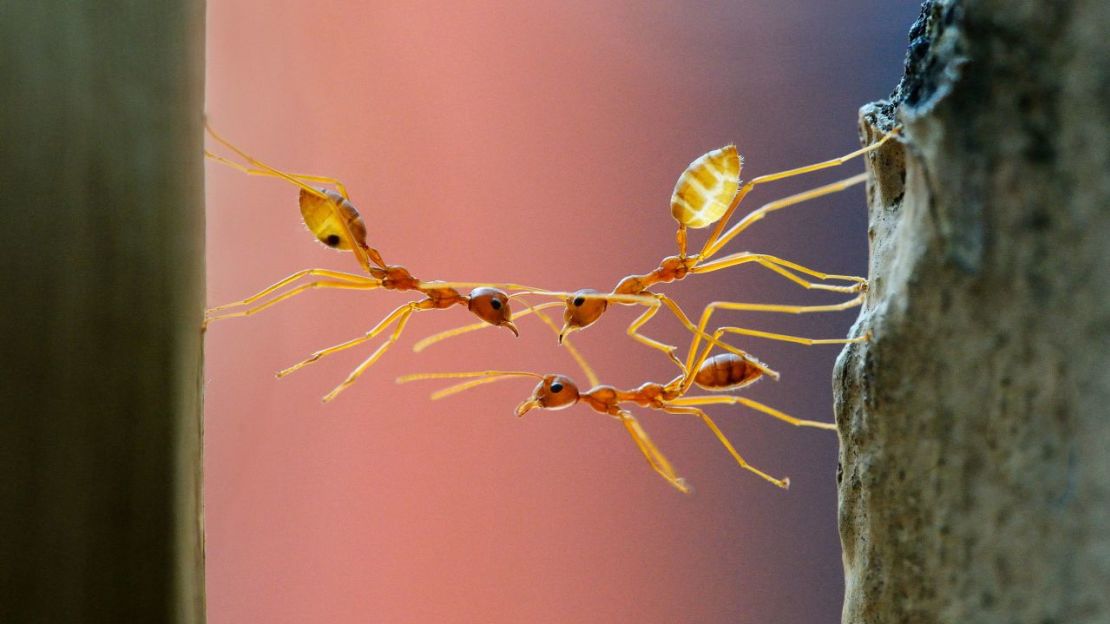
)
(536, 144)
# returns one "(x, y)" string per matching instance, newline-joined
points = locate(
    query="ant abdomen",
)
(331, 217)
(704, 191)
(727, 371)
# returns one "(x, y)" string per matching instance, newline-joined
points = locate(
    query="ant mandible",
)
(719, 373)
(708, 192)
(332, 218)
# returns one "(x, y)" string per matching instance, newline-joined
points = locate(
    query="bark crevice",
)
(971, 484)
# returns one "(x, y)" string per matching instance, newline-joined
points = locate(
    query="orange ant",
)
(333, 219)
(328, 214)
(722, 372)
(708, 192)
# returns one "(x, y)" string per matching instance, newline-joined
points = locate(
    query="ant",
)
(708, 192)
(328, 214)
(719, 373)
(333, 219)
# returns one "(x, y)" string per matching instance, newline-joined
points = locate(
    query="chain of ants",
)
(707, 193)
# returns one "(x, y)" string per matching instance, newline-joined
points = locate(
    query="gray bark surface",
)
(974, 477)
(101, 180)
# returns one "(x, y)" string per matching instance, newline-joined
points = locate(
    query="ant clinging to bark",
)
(708, 191)
(334, 221)
(719, 373)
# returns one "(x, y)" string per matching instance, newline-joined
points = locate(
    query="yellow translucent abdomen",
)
(705, 190)
(332, 220)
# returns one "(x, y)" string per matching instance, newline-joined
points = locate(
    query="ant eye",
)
(332, 240)
(495, 304)
(578, 301)
(556, 387)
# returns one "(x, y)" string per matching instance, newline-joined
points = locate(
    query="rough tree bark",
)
(974, 474)
(101, 179)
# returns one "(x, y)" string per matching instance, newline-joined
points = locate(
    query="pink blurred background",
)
(538, 144)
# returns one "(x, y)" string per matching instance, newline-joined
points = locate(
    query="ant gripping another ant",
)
(707, 192)
(719, 373)
(333, 220)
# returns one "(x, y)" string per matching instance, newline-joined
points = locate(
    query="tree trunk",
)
(974, 477)
(103, 292)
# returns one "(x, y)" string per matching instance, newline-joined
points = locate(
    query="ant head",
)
(330, 217)
(554, 392)
(582, 310)
(492, 306)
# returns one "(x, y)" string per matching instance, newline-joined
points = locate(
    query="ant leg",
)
(648, 300)
(744, 190)
(783, 483)
(654, 456)
(809, 342)
(402, 319)
(782, 267)
(404, 310)
(711, 340)
(337, 275)
(424, 343)
(234, 165)
(270, 173)
(743, 224)
(654, 303)
(351, 278)
(466, 385)
(591, 376)
(756, 405)
(654, 344)
(759, 307)
(289, 294)
(273, 171)
(525, 289)
(465, 329)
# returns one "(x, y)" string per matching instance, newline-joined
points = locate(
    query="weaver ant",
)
(722, 372)
(708, 192)
(332, 218)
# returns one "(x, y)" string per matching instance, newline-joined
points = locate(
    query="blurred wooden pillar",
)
(101, 248)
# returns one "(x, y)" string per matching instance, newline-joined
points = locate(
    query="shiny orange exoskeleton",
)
(719, 373)
(709, 191)
(334, 221)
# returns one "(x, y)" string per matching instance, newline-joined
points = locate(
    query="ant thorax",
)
(651, 395)
(604, 399)
(441, 298)
(396, 278)
(674, 268)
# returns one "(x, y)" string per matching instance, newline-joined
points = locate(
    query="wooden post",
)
(101, 247)
(975, 478)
